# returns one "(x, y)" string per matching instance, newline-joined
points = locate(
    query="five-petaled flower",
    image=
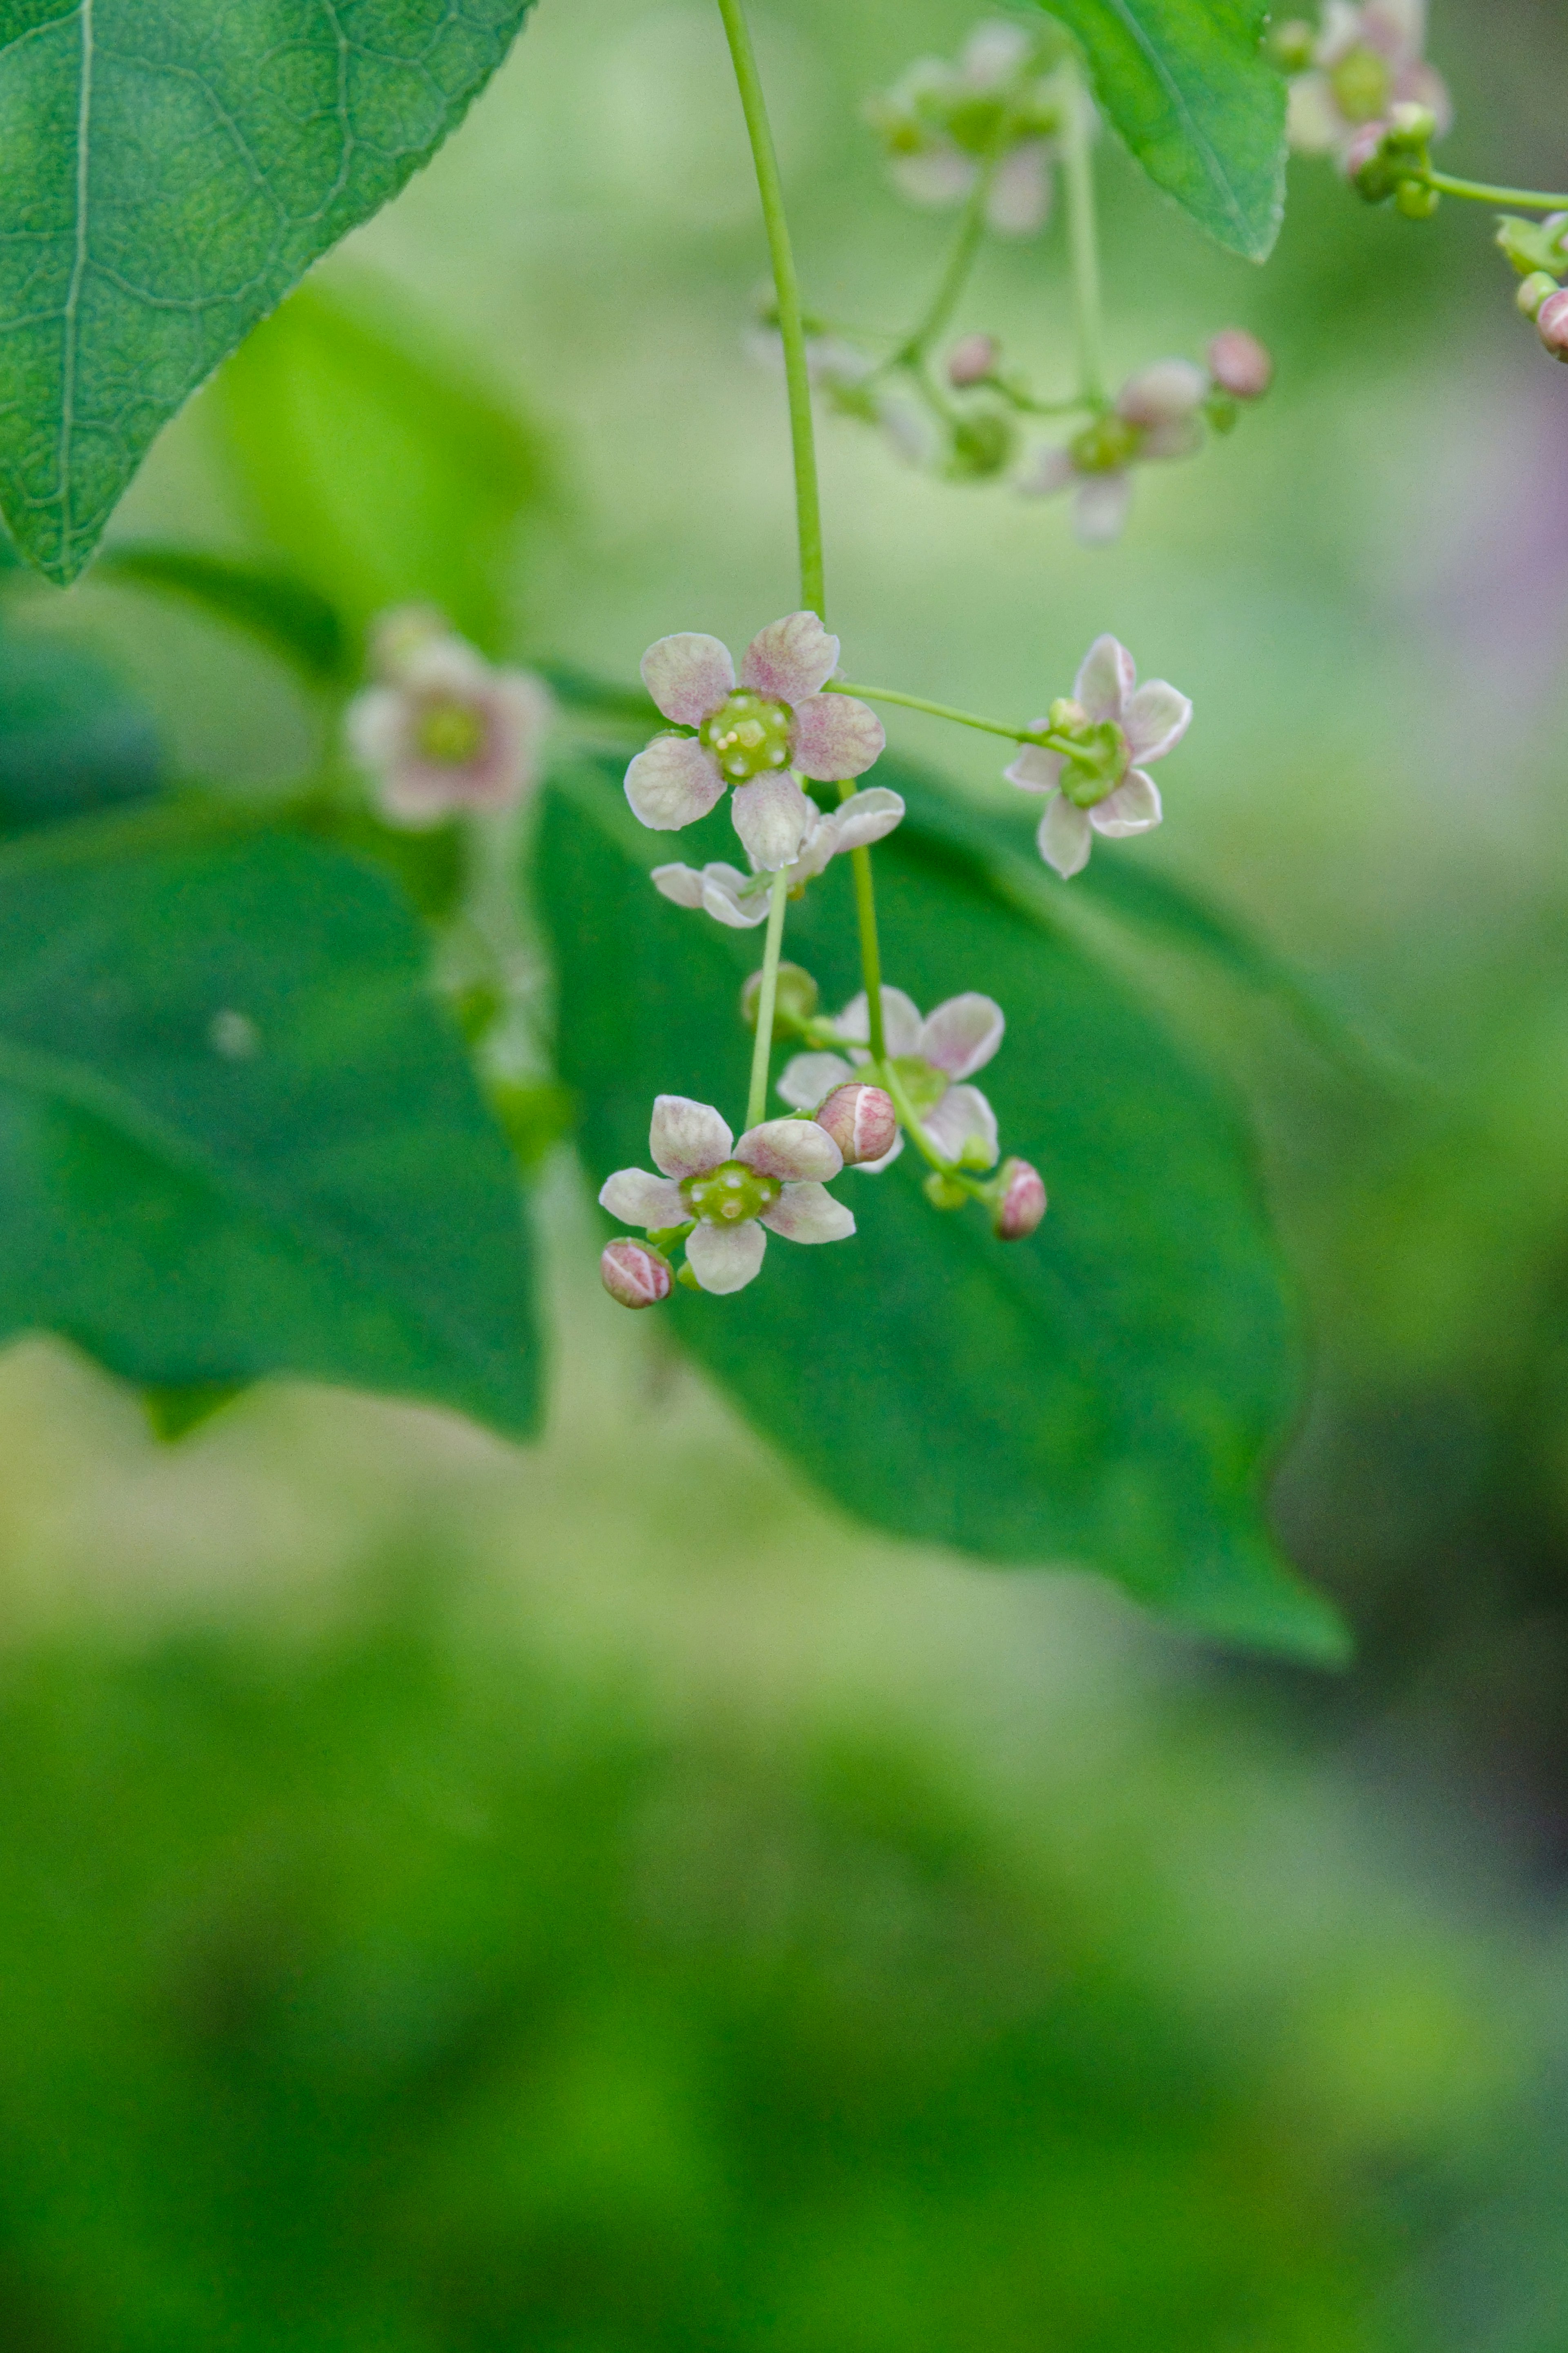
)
(931, 1059)
(1366, 61)
(1156, 414)
(741, 900)
(994, 111)
(772, 1176)
(1101, 794)
(443, 732)
(750, 735)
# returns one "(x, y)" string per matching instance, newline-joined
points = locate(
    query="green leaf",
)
(238, 1138)
(285, 614)
(380, 473)
(72, 738)
(172, 167)
(1185, 84)
(1107, 1395)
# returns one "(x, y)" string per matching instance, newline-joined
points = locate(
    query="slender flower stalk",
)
(955, 276)
(1041, 735)
(1480, 192)
(762, 1053)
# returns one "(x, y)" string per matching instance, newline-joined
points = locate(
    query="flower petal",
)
(835, 737)
(1313, 123)
(993, 54)
(790, 659)
(875, 1167)
(688, 676)
(688, 1137)
(1052, 470)
(1397, 27)
(726, 1258)
(1099, 510)
(808, 1078)
(790, 1149)
(1422, 85)
(1035, 770)
(773, 817)
(900, 1021)
(963, 1124)
(681, 885)
(732, 898)
(1181, 438)
(1156, 719)
(866, 818)
(673, 783)
(1163, 394)
(962, 1035)
(1064, 836)
(1020, 199)
(639, 1200)
(1106, 677)
(809, 1213)
(938, 176)
(1133, 807)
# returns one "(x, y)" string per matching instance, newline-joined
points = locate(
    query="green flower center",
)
(450, 733)
(749, 735)
(1104, 447)
(921, 1081)
(1100, 759)
(730, 1194)
(1363, 84)
(976, 124)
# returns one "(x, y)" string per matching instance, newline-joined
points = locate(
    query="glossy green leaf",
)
(1185, 84)
(172, 167)
(285, 614)
(72, 738)
(1107, 1395)
(377, 468)
(238, 1138)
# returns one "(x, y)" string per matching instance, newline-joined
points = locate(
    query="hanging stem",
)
(1042, 735)
(955, 276)
(762, 1053)
(1083, 236)
(1479, 191)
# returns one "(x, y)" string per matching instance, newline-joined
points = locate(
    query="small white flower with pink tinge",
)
(1365, 61)
(995, 109)
(741, 900)
(443, 732)
(1111, 797)
(1156, 414)
(933, 1058)
(772, 1177)
(750, 735)
(633, 1272)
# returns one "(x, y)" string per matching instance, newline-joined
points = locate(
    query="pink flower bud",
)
(861, 1121)
(634, 1273)
(1551, 324)
(1239, 364)
(1018, 1201)
(972, 360)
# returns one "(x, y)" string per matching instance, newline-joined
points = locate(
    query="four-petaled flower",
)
(1366, 59)
(443, 732)
(931, 1060)
(750, 735)
(1156, 414)
(1113, 797)
(772, 1177)
(942, 125)
(741, 900)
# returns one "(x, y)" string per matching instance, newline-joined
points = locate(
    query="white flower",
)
(942, 124)
(1156, 414)
(751, 736)
(741, 900)
(1150, 720)
(1367, 59)
(933, 1058)
(855, 384)
(444, 732)
(772, 1177)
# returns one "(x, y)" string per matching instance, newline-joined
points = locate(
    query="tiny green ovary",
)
(1363, 84)
(451, 733)
(750, 735)
(730, 1194)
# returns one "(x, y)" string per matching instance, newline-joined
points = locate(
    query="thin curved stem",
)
(1480, 192)
(762, 1053)
(1041, 735)
(955, 276)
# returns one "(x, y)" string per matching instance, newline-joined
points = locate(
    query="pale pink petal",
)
(791, 1149)
(900, 1022)
(681, 885)
(993, 55)
(1020, 198)
(376, 725)
(1051, 470)
(445, 666)
(1099, 510)
(963, 1127)
(1156, 720)
(1064, 836)
(639, 1200)
(773, 817)
(673, 783)
(940, 175)
(687, 1138)
(1341, 32)
(1035, 770)
(732, 898)
(1313, 123)
(835, 737)
(790, 659)
(688, 676)
(875, 1167)
(1181, 438)
(866, 818)
(1133, 807)
(809, 1213)
(809, 1078)
(1397, 27)
(1106, 677)
(1163, 393)
(414, 795)
(1422, 85)
(726, 1258)
(961, 1036)
(819, 846)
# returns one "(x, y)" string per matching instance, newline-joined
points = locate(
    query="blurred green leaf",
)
(1185, 84)
(285, 614)
(72, 737)
(237, 1137)
(1106, 1395)
(172, 167)
(379, 469)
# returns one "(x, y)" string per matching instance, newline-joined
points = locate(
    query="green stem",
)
(870, 946)
(762, 1053)
(1083, 238)
(887, 1076)
(1042, 735)
(786, 286)
(955, 276)
(1480, 192)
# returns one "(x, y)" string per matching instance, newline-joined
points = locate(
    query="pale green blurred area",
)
(1351, 1902)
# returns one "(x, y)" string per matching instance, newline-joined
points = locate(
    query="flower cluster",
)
(1093, 785)
(442, 731)
(998, 111)
(1539, 252)
(741, 901)
(1351, 74)
(931, 1059)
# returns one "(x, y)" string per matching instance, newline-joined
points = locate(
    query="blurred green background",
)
(599, 1900)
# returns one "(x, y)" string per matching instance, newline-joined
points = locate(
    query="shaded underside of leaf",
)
(72, 738)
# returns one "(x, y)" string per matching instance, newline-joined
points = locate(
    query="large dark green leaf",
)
(72, 737)
(237, 1137)
(172, 168)
(1185, 84)
(1108, 1393)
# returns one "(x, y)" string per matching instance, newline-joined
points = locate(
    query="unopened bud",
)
(634, 1273)
(1366, 166)
(861, 1121)
(1018, 1201)
(1410, 125)
(1240, 364)
(1066, 717)
(1551, 324)
(972, 360)
(1535, 289)
(944, 1192)
(983, 444)
(794, 1002)
(1415, 200)
(1293, 45)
